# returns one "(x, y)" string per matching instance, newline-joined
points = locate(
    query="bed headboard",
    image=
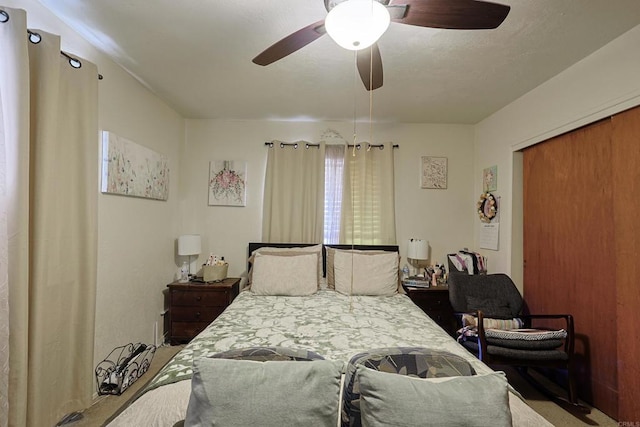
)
(257, 245)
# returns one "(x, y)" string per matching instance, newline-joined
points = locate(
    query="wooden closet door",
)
(626, 208)
(569, 249)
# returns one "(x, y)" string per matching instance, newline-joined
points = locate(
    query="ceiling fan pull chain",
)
(370, 98)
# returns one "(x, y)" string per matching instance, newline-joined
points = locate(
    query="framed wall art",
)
(227, 183)
(129, 169)
(490, 179)
(434, 172)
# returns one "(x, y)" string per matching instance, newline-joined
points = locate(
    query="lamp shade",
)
(189, 244)
(357, 24)
(418, 249)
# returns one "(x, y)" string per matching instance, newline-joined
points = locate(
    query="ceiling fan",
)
(446, 14)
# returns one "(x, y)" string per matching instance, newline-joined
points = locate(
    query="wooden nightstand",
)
(192, 306)
(435, 302)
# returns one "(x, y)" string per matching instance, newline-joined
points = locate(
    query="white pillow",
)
(372, 274)
(292, 275)
(288, 251)
(331, 253)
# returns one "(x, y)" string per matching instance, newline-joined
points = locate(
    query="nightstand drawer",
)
(435, 303)
(199, 298)
(195, 314)
(441, 317)
(193, 306)
(184, 331)
(431, 300)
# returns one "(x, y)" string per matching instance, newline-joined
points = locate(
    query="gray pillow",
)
(397, 400)
(274, 393)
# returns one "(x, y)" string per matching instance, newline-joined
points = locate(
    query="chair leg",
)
(572, 395)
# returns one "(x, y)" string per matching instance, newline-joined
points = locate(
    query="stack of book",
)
(416, 282)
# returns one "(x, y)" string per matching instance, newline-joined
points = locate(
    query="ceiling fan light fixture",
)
(357, 24)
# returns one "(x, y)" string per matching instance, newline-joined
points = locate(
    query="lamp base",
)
(418, 264)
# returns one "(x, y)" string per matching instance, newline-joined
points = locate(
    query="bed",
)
(325, 321)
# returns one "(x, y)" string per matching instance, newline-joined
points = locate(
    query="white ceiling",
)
(196, 55)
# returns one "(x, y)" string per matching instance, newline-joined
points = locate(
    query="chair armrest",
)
(545, 316)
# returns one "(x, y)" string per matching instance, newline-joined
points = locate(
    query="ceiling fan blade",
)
(291, 43)
(454, 14)
(365, 64)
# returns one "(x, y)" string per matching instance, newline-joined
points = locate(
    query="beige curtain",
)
(51, 156)
(293, 210)
(368, 206)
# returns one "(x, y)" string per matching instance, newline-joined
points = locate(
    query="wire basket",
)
(122, 367)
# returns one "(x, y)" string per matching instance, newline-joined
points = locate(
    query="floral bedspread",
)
(334, 325)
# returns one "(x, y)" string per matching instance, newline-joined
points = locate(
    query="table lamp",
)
(189, 245)
(418, 253)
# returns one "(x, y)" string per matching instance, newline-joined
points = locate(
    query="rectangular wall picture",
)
(434, 172)
(129, 169)
(227, 183)
(490, 179)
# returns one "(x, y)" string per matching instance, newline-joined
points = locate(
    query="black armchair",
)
(494, 301)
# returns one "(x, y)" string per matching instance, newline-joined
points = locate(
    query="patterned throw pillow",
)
(413, 361)
(488, 322)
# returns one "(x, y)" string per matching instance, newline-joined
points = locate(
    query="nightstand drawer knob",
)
(197, 315)
(199, 298)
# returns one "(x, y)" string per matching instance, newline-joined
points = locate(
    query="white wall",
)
(441, 216)
(600, 85)
(135, 236)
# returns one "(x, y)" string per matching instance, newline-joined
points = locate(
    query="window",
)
(335, 195)
(359, 195)
(333, 182)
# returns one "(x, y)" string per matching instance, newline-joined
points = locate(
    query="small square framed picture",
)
(434, 172)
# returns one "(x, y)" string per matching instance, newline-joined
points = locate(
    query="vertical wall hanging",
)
(227, 183)
(490, 179)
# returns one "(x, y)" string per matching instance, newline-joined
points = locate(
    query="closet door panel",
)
(569, 250)
(626, 209)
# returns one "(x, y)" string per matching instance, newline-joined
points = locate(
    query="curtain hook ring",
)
(34, 38)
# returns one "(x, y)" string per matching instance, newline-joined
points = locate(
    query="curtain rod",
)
(35, 39)
(307, 145)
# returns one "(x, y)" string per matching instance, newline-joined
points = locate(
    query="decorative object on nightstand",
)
(189, 245)
(215, 269)
(192, 306)
(434, 301)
